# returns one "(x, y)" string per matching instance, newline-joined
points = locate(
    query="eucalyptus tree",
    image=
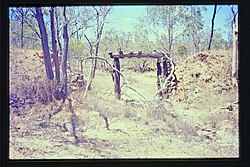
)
(58, 30)
(169, 23)
(21, 13)
(23, 27)
(44, 41)
(212, 27)
(78, 22)
(235, 47)
(110, 41)
(100, 14)
(65, 53)
(54, 46)
(143, 39)
(195, 26)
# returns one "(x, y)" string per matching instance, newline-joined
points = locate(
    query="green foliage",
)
(76, 51)
(176, 29)
(182, 50)
(174, 22)
(195, 26)
(218, 41)
(76, 48)
(114, 40)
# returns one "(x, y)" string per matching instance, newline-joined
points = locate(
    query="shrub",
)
(41, 91)
(158, 111)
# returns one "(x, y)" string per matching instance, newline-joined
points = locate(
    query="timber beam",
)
(155, 55)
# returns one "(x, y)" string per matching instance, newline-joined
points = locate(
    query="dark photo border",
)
(244, 85)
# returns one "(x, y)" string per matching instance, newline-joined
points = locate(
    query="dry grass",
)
(195, 123)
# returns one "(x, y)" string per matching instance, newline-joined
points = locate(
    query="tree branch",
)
(90, 45)
(82, 26)
(29, 24)
(167, 80)
(125, 80)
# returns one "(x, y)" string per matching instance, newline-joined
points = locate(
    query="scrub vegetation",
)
(70, 99)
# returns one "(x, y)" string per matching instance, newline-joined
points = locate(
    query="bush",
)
(157, 110)
(182, 50)
(76, 48)
(41, 91)
(172, 124)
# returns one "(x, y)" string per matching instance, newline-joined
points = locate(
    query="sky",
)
(126, 15)
(123, 17)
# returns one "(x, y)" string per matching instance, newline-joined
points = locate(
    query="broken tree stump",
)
(164, 68)
(117, 78)
(159, 74)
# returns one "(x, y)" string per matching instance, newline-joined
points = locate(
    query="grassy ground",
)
(199, 121)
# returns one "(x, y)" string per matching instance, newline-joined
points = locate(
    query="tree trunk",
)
(170, 31)
(96, 54)
(169, 41)
(44, 40)
(65, 53)
(22, 22)
(212, 29)
(235, 51)
(159, 74)
(117, 79)
(100, 25)
(54, 48)
(88, 86)
(98, 40)
(57, 32)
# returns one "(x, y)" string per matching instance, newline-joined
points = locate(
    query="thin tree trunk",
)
(100, 25)
(96, 54)
(169, 35)
(77, 35)
(93, 54)
(117, 79)
(212, 29)
(57, 32)
(22, 22)
(88, 86)
(54, 48)
(97, 38)
(170, 31)
(44, 40)
(235, 50)
(65, 53)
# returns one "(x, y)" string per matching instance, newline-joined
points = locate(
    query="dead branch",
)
(137, 55)
(172, 68)
(82, 27)
(125, 80)
(167, 81)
